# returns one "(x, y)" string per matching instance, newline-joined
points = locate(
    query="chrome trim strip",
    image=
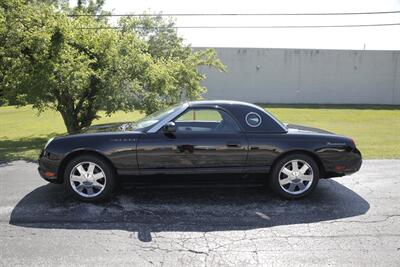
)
(167, 119)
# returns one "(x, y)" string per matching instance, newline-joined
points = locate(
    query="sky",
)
(369, 38)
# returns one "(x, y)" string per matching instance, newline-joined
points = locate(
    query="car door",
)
(206, 141)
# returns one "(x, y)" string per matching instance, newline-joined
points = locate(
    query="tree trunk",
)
(71, 122)
(76, 120)
(80, 115)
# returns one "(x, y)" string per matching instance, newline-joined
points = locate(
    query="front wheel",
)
(294, 176)
(89, 178)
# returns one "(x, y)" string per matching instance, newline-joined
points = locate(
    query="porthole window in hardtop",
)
(253, 119)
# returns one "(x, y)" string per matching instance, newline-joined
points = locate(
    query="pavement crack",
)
(386, 217)
(197, 252)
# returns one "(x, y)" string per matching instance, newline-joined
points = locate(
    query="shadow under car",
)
(198, 209)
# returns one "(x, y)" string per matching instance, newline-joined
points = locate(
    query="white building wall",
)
(306, 76)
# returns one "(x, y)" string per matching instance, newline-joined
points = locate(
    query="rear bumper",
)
(342, 164)
(354, 166)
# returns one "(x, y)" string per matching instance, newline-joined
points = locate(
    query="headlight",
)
(48, 142)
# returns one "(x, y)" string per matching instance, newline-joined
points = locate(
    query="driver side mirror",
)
(170, 127)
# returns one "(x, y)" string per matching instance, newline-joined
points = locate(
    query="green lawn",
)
(376, 130)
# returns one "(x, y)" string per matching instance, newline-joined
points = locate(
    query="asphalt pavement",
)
(348, 221)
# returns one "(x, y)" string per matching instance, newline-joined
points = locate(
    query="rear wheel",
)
(294, 176)
(89, 178)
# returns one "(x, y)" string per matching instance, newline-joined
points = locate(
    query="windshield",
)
(153, 118)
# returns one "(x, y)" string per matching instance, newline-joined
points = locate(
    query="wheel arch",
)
(80, 152)
(305, 152)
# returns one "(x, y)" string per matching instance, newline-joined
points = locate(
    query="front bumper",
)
(48, 168)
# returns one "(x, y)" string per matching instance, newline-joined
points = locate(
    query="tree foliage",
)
(79, 65)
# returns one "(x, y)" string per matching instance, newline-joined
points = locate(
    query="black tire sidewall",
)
(107, 169)
(274, 175)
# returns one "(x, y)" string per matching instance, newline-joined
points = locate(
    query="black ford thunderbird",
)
(199, 138)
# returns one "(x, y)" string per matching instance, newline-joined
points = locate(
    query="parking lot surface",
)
(352, 220)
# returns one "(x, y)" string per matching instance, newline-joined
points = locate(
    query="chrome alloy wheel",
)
(296, 177)
(87, 179)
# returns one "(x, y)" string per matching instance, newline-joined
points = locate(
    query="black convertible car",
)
(202, 137)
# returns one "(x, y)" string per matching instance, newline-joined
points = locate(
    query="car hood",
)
(294, 128)
(109, 127)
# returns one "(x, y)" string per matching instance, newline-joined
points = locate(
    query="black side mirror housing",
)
(170, 127)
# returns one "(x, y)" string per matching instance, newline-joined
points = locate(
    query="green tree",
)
(181, 62)
(79, 65)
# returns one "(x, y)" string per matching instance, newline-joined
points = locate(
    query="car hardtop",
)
(241, 111)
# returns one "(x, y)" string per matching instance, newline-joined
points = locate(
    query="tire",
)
(89, 178)
(290, 182)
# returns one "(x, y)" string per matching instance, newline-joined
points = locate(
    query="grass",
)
(23, 133)
(376, 130)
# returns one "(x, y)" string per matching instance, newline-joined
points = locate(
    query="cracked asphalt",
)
(352, 220)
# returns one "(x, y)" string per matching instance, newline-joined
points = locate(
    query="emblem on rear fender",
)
(335, 144)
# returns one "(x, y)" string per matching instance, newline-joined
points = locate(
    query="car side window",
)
(206, 120)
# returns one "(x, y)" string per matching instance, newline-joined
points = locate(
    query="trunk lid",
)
(295, 128)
